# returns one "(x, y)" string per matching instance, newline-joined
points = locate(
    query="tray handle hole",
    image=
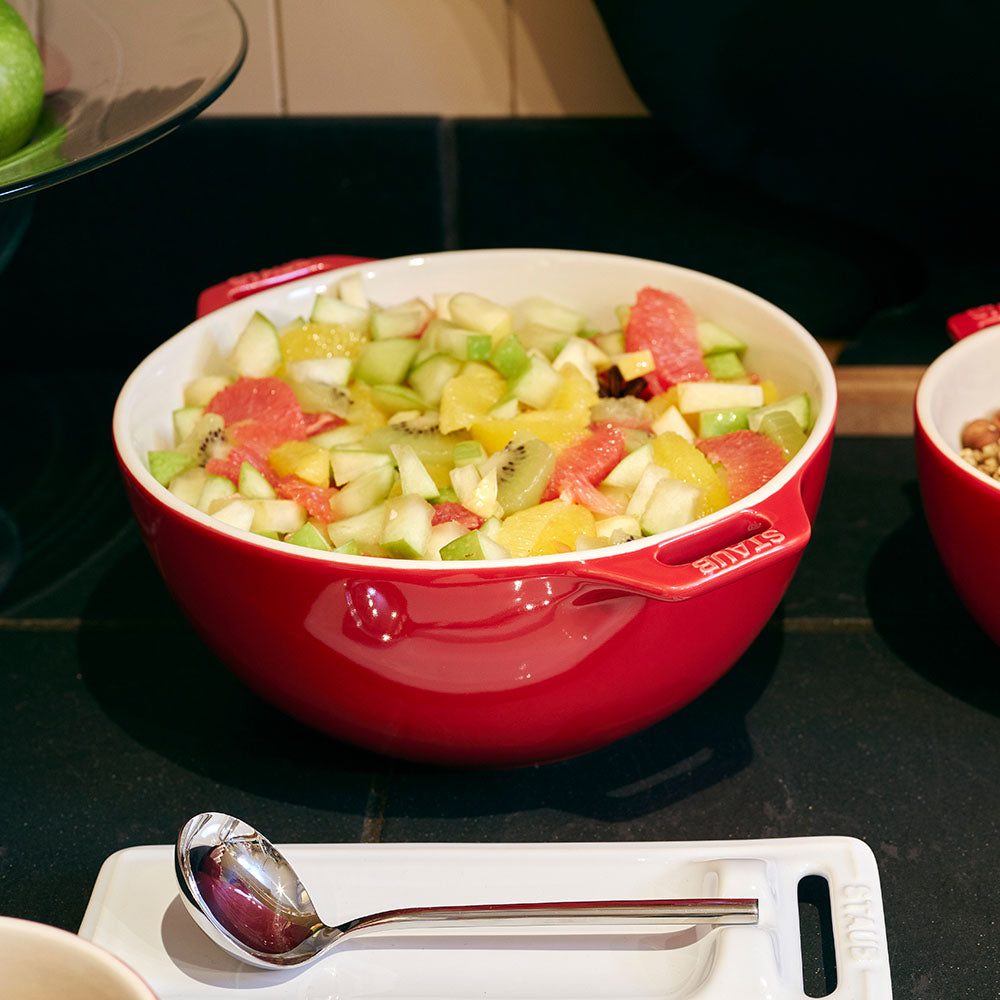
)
(819, 958)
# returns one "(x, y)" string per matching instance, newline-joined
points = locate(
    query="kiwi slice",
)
(524, 469)
(207, 439)
(421, 432)
(319, 397)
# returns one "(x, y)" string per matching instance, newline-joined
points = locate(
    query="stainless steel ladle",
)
(247, 898)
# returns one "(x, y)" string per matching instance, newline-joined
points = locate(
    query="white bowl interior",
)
(778, 347)
(40, 962)
(962, 384)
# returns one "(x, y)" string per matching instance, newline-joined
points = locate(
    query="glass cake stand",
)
(119, 74)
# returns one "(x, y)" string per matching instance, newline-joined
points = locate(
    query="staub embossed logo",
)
(863, 939)
(733, 554)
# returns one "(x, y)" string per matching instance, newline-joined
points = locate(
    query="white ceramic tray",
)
(135, 912)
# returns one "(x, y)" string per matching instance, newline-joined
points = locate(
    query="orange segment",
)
(320, 340)
(363, 410)
(557, 428)
(468, 396)
(545, 529)
(662, 402)
(310, 462)
(576, 394)
(684, 461)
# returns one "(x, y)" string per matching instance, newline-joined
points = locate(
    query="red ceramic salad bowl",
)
(962, 504)
(500, 662)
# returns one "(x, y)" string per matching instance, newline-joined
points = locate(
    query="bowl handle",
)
(971, 321)
(713, 555)
(243, 285)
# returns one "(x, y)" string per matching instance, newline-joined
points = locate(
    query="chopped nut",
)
(980, 445)
(980, 433)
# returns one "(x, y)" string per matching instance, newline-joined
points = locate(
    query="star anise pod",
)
(611, 383)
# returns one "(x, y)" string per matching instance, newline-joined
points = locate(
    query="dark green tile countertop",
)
(868, 707)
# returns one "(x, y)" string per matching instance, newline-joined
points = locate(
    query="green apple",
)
(22, 81)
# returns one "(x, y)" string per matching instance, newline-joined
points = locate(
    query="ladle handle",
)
(645, 912)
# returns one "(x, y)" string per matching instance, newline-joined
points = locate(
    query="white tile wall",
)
(427, 57)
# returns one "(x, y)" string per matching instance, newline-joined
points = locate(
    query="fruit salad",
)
(466, 428)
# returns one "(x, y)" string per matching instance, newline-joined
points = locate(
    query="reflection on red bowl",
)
(494, 663)
(961, 503)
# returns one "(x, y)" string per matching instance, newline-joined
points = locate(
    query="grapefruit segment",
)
(451, 511)
(664, 324)
(269, 401)
(315, 499)
(229, 466)
(580, 467)
(750, 459)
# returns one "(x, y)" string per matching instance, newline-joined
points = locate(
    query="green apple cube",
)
(543, 339)
(393, 399)
(476, 544)
(340, 437)
(413, 475)
(505, 407)
(712, 423)
(545, 312)
(441, 535)
(537, 384)
(714, 339)
(781, 427)
(310, 537)
(509, 357)
(187, 486)
(326, 371)
(693, 397)
(577, 352)
(629, 470)
(407, 528)
(361, 530)
(335, 311)
(671, 419)
(166, 465)
(429, 377)
(797, 405)
(235, 512)
(651, 475)
(466, 345)
(280, 516)
(481, 314)
(351, 289)
(405, 320)
(257, 353)
(725, 364)
(365, 491)
(611, 343)
(385, 362)
(215, 488)
(199, 393)
(184, 419)
(672, 503)
(253, 484)
(348, 464)
(468, 453)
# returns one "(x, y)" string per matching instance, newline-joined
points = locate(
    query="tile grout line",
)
(375, 807)
(799, 623)
(61, 624)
